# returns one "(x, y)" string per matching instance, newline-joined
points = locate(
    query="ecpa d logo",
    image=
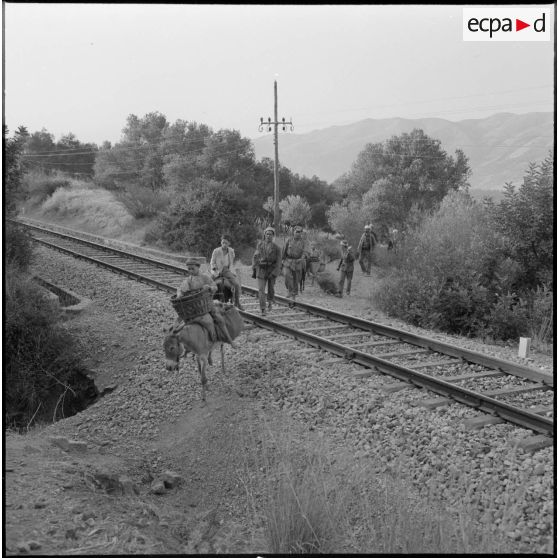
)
(507, 24)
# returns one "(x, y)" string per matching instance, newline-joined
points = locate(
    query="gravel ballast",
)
(506, 490)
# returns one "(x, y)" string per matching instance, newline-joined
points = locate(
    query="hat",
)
(344, 243)
(298, 227)
(191, 261)
(366, 227)
(270, 229)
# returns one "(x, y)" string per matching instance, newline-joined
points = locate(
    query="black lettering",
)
(480, 25)
(507, 25)
(494, 29)
(473, 21)
(543, 24)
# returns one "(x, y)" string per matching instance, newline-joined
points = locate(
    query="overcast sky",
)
(83, 68)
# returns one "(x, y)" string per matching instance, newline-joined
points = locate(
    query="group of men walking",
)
(269, 260)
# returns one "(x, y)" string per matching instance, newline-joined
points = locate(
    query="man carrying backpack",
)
(365, 247)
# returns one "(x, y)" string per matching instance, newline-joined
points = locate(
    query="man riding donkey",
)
(294, 258)
(266, 263)
(222, 261)
(213, 320)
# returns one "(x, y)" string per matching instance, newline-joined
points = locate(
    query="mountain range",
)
(499, 147)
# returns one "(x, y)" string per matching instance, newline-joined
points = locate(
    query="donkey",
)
(194, 338)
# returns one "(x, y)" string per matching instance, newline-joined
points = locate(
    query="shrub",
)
(96, 210)
(407, 296)
(541, 317)
(461, 310)
(142, 202)
(206, 210)
(40, 357)
(508, 318)
(450, 272)
(40, 186)
(19, 246)
(349, 220)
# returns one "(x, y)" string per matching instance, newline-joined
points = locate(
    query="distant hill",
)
(499, 147)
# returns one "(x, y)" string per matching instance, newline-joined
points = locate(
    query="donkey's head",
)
(174, 349)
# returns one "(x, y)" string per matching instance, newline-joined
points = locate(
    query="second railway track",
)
(502, 389)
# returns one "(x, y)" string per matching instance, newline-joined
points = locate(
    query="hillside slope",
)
(499, 147)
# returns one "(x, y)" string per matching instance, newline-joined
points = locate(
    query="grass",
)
(307, 499)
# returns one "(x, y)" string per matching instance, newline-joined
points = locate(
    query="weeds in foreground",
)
(308, 500)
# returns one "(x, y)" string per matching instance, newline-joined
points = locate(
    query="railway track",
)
(505, 391)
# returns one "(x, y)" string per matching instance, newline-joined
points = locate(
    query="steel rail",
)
(121, 253)
(121, 271)
(436, 346)
(482, 402)
(366, 325)
(518, 416)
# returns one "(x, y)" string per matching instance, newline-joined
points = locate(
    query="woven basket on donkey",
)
(192, 304)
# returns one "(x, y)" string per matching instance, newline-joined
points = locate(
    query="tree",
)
(183, 144)
(295, 210)
(348, 218)
(526, 218)
(74, 157)
(13, 167)
(68, 154)
(227, 156)
(39, 150)
(402, 172)
(205, 210)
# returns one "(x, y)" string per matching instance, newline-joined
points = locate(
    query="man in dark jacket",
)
(365, 248)
(346, 266)
(293, 256)
(266, 262)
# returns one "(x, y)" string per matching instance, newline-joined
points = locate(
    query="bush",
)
(461, 310)
(508, 318)
(19, 246)
(197, 219)
(41, 359)
(40, 186)
(451, 274)
(142, 202)
(96, 210)
(541, 317)
(349, 220)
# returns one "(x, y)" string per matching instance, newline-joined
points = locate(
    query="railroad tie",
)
(533, 443)
(393, 388)
(434, 402)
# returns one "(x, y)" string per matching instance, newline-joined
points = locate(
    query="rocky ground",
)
(150, 469)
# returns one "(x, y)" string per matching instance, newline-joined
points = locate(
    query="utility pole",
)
(275, 124)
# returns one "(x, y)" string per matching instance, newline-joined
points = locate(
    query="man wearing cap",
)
(266, 262)
(195, 281)
(346, 266)
(293, 256)
(365, 247)
(222, 260)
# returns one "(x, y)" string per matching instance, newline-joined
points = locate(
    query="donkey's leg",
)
(223, 357)
(202, 365)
